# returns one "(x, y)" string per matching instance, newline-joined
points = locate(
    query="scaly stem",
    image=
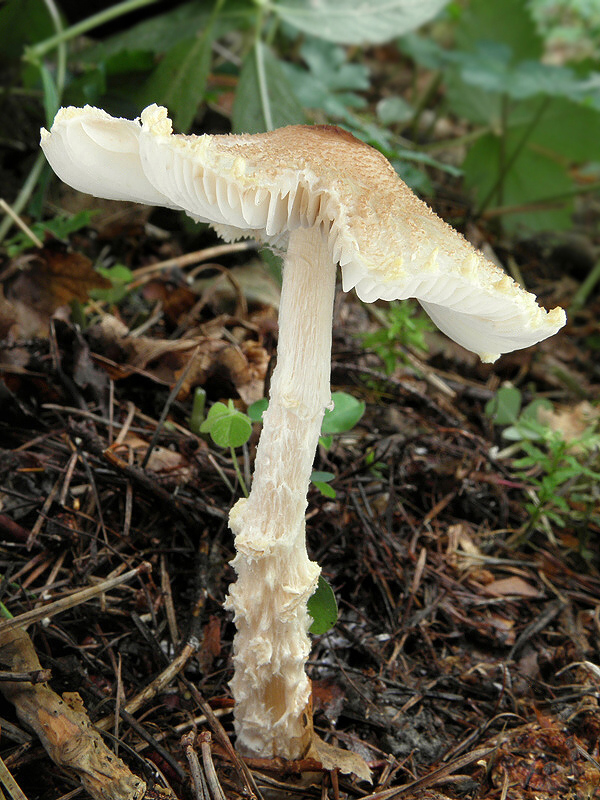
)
(275, 576)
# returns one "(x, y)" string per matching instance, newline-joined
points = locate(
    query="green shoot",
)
(230, 428)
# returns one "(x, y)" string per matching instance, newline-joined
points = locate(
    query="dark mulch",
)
(461, 666)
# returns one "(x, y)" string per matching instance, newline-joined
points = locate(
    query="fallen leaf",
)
(570, 421)
(217, 361)
(331, 757)
(54, 278)
(513, 586)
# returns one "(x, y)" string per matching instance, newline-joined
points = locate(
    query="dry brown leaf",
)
(331, 757)
(570, 421)
(54, 278)
(164, 463)
(217, 360)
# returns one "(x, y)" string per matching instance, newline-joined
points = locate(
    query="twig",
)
(198, 779)
(195, 258)
(65, 733)
(18, 221)
(221, 735)
(170, 399)
(34, 676)
(10, 784)
(434, 777)
(209, 768)
(165, 585)
(75, 599)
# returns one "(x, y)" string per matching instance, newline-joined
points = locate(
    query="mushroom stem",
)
(275, 576)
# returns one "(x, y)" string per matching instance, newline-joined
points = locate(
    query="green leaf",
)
(264, 99)
(569, 129)
(321, 481)
(59, 228)
(355, 21)
(322, 607)
(325, 489)
(321, 477)
(330, 82)
(257, 409)
(51, 101)
(198, 409)
(120, 276)
(162, 32)
(533, 178)
(344, 415)
(22, 22)
(227, 426)
(179, 81)
(503, 409)
(118, 273)
(508, 22)
(394, 109)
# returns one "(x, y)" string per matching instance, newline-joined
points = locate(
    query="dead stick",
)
(10, 784)
(65, 733)
(75, 599)
(198, 779)
(37, 676)
(251, 788)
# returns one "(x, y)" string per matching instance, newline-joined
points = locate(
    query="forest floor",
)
(464, 663)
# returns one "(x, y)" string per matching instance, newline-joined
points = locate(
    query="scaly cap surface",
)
(389, 244)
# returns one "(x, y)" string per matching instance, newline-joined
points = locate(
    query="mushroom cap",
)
(389, 243)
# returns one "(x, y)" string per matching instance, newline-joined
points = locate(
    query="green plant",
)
(561, 476)
(402, 326)
(169, 59)
(120, 277)
(531, 120)
(322, 607)
(60, 227)
(228, 427)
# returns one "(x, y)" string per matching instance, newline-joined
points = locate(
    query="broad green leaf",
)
(264, 99)
(503, 409)
(257, 409)
(179, 81)
(357, 21)
(344, 415)
(532, 179)
(322, 607)
(532, 410)
(120, 277)
(508, 22)
(162, 32)
(570, 129)
(325, 489)
(321, 477)
(118, 273)
(22, 22)
(330, 82)
(227, 426)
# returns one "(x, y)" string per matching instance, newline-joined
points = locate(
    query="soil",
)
(464, 661)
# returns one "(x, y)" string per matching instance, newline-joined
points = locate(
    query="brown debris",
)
(63, 729)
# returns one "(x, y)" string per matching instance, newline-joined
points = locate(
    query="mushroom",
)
(326, 198)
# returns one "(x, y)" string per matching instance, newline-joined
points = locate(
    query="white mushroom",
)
(329, 199)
